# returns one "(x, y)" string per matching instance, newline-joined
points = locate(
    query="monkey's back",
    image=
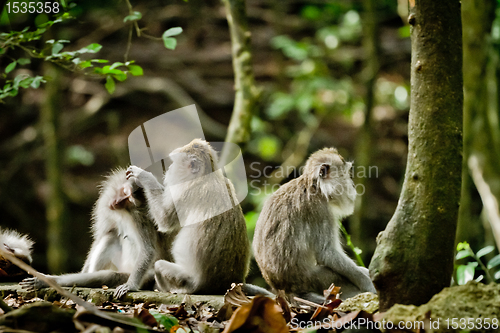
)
(285, 242)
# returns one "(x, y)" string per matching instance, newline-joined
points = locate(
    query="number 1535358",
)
(31, 7)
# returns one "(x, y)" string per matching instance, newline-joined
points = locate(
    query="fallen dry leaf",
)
(261, 315)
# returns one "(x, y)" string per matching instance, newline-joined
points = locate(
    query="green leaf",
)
(23, 61)
(166, 320)
(85, 64)
(92, 48)
(100, 61)
(497, 275)
(120, 76)
(495, 261)
(56, 48)
(172, 32)
(2, 50)
(484, 251)
(10, 67)
(463, 246)
(36, 81)
(135, 70)
(465, 273)
(116, 64)
(170, 43)
(463, 254)
(110, 84)
(133, 17)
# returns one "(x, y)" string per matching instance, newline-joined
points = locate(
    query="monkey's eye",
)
(194, 166)
(323, 171)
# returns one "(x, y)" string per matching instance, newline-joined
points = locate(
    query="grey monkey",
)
(211, 250)
(296, 241)
(126, 242)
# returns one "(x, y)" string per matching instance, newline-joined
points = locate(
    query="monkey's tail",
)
(253, 290)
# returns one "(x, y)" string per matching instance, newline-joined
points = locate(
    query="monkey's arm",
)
(152, 189)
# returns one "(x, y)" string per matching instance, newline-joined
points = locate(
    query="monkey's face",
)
(332, 175)
(194, 160)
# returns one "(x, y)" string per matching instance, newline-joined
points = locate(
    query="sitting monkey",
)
(211, 250)
(126, 242)
(296, 241)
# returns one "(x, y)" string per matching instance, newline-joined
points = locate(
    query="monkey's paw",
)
(32, 284)
(142, 178)
(123, 290)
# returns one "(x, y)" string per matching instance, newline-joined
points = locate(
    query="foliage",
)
(75, 61)
(466, 272)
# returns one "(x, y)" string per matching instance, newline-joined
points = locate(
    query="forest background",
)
(329, 73)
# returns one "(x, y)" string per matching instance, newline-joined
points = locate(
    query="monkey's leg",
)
(340, 263)
(172, 277)
(103, 252)
(90, 280)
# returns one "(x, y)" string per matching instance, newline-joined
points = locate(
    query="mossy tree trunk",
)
(245, 90)
(414, 255)
(481, 131)
(55, 205)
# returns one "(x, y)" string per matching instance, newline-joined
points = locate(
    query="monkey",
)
(296, 241)
(125, 242)
(21, 247)
(211, 250)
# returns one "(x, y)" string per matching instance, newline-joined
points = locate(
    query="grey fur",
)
(211, 250)
(296, 241)
(126, 242)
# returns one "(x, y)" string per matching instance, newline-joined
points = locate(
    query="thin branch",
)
(487, 197)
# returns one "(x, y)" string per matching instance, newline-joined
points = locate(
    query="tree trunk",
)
(244, 85)
(414, 256)
(477, 18)
(55, 205)
(364, 144)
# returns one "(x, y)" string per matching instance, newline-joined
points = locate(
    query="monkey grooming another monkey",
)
(296, 241)
(211, 250)
(126, 242)
(20, 246)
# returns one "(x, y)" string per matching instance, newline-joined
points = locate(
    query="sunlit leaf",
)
(56, 48)
(92, 48)
(170, 43)
(23, 61)
(463, 254)
(36, 81)
(172, 32)
(495, 261)
(110, 84)
(10, 67)
(484, 251)
(133, 17)
(465, 273)
(135, 70)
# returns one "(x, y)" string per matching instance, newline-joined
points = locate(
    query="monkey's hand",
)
(123, 290)
(32, 284)
(143, 178)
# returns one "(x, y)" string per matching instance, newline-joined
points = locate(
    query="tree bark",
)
(477, 18)
(364, 144)
(55, 205)
(245, 90)
(414, 256)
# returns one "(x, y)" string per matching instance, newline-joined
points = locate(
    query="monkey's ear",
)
(194, 165)
(323, 170)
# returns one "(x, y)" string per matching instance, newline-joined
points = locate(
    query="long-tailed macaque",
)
(211, 250)
(126, 242)
(18, 245)
(296, 241)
